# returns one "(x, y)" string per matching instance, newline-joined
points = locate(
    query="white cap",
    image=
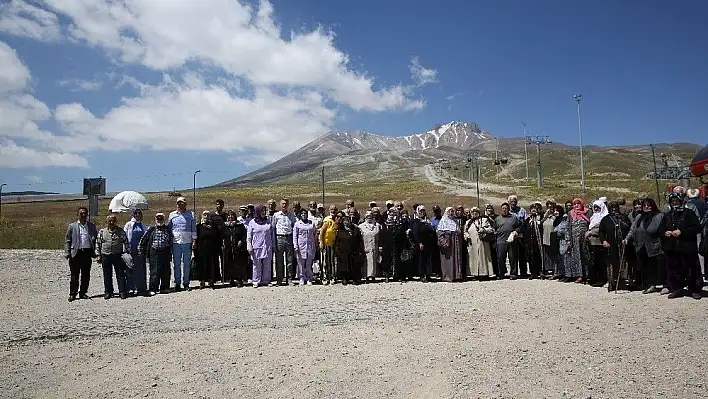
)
(389, 202)
(181, 199)
(320, 206)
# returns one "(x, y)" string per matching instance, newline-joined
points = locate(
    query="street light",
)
(577, 98)
(1, 186)
(194, 192)
(526, 152)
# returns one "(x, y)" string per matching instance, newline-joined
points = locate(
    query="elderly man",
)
(522, 215)
(79, 248)
(156, 246)
(112, 243)
(183, 226)
(283, 222)
(508, 227)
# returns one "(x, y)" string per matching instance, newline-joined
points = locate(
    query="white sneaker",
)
(309, 283)
(302, 281)
(255, 285)
(153, 293)
(664, 291)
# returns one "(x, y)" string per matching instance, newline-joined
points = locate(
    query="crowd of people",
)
(608, 243)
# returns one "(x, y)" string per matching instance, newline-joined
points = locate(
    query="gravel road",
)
(506, 339)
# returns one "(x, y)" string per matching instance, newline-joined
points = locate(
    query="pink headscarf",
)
(579, 214)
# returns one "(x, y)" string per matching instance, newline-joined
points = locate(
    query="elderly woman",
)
(613, 228)
(450, 244)
(327, 236)
(349, 245)
(558, 248)
(596, 272)
(134, 230)
(234, 255)
(305, 245)
(424, 239)
(680, 227)
(547, 225)
(259, 243)
(576, 265)
(478, 233)
(533, 240)
(370, 231)
(207, 249)
(646, 235)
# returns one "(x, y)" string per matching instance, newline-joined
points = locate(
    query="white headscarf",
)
(596, 217)
(447, 223)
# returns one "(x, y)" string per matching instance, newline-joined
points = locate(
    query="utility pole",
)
(194, 192)
(577, 98)
(323, 188)
(1, 186)
(526, 151)
(538, 140)
(656, 175)
(473, 159)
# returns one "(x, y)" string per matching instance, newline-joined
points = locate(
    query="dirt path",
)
(507, 339)
(488, 192)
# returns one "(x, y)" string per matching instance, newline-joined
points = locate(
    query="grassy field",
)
(43, 225)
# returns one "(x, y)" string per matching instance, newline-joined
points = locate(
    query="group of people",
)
(281, 244)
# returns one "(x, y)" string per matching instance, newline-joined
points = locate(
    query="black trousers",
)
(160, 269)
(598, 271)
(649, 268)
(80, 267)
(425, 262)
(522, 259)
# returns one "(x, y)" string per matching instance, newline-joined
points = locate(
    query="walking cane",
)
(621, 266)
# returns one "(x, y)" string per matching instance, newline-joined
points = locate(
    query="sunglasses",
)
(83, 213)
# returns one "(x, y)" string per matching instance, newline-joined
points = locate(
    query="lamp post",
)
(656, 174)
(577, 98)
(526, 152)
(1, 186)
(194, 192)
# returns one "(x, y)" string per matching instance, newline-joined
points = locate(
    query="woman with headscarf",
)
(424, 240)
(576, 265)
(450, 244)
(396, 245)
(478, 233)
(206, 252)
(558, 248)
(350, 250)
(259, 243)
(134, 230)
(645, 232)
(234, 255)
(532, 238)
(305, 246)
(680, 228)
(596, 272)
(491, 217)
(370, 230)
(547, 221)
(613, 228)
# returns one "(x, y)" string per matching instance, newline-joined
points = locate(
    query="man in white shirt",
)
(184, 231)
(283, 222)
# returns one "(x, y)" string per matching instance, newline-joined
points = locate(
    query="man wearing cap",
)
(372, 205)
(351, 210)
(156, 246)
(183, 226)
(271, 209)
(244, 216)
(283, 222)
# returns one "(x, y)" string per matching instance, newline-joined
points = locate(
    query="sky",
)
(145, 92)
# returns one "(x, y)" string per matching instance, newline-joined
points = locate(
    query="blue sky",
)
(145, 94)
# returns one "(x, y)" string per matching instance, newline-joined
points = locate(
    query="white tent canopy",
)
(127, 201)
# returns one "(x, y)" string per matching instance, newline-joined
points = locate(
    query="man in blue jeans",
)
(184, 232)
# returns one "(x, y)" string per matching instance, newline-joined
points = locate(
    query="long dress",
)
(577, 259)
(207, 252)
(613, 229)
(479, 252)
(451, 257)
(349, 246)
(235, 257)
(305, 245)
(370, 233)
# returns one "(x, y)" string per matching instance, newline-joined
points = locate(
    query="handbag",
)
(406, 255)
(128, 260)
(444, 240)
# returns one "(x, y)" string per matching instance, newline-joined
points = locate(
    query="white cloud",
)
(14, 156)
(21, 18)
(80, 84)
(420, 74)
(265, 94)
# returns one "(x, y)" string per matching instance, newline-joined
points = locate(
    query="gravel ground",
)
(506, 339)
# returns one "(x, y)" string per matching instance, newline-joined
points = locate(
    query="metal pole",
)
(194, 192)
(1, 186)
(577, 98)
(538, 164)
(476, 163)
(656, 175)
(526, 152)
(323, 187)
